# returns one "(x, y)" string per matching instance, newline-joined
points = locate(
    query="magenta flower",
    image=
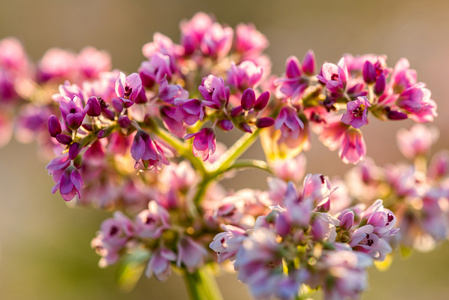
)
(56, 64)
(67, 178)
(143, 147)
(189, 111)
(192, 31)
(160, 265)
(353, 148)
(335, 77)
(289, 123)
(217, 40)
(416, 101)
(72, 112)
(402, 77)
(214, 91)
(203, 143)
(248, 40)
(151, 222)
(169, 92)
(155, 70)
(227, 243)
(356, 114)
(416, 141)
(129, 89)
(245, 75)
(293, 84)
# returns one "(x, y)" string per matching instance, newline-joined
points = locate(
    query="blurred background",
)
(45, 246)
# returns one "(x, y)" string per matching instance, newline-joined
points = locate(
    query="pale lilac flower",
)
(299, 211)
(91, 62)
(402, 77)
(356, 114)
(151, 222)
(228, 243)
(248, 40)
(129, 89)
(189, 111)
(203, 143)
(155, 70)
(192, 31)
(190, 254)
(68, 179)
(217, 40)
(160, 264)
(353, 148)
(214, 91)
(289, 123)
(169, 92)
(245, 75)
(72, 111)
(335, 77)
(416, 141)
(403, 180)
(56, 64)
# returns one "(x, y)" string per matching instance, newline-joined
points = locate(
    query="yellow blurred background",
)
(45, 246)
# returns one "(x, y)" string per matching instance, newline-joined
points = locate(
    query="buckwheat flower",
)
(289, 123)
(91, 62)
(151, 222)
(245, 75)
(332, 132)
(181, 176)
(143, 147)
(203, 143)
(228, 243)
(189, 111)
(403, 180)
(353, 148)
(324, 228)
(56, 64)
(214, 91)
(169, 92)
(129, 89)
(68, 181)
(299, 211)
(72, 111)
(217, 40)
(416, 101)
(155, 70)
(416, 141)
(365, 240)
(192, 31)
(293, 84)
(402, 77)
(439, 165)
(163, 45)
(290, 169)
(356, 114)
(117, 230)
(54, 127)
(7, 89)
(248, 40)
(160, 264)
(190, 254)
(173, 120)
(13, 55)
(334, 77)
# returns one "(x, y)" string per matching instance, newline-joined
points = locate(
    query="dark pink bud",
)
(236, 111)
(248, 99)
(264, 122)
(101, 134)
(396, 115)
(88, 127)
(108, 114)
(245, 127)
(124, 121)
(64, 139)
(347, 220)
(308, 63)
(283, 226)
(380, 85)
(117, 104)
(293, 68)
(369, 72)
(74, 150)
(225, 124)
(54, 127)
(262, 101)
(94, 108)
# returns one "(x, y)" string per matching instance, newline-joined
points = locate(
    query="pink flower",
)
(160, 265)
(151, 222)
(129, 89)
(192, 31)
(169, 92)
(416, 101)
(416, 141)
(203, 143)
(57, 64)
(67, 178)
(190, 254)
(214, 91)
(72, 112)
(289, 123)
(402, 77)
(227, 243)
(293, 84)
(92, 62)
(352, 149)
(249, 40)
(245, 75)
(335, 77)
(13, 55)
(217, 40)
(189, 111)
(143, 147)
(356, 114)
(156, 70)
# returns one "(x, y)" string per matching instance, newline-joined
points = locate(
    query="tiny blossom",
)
(56, 64)
(334, 76)
(72, 111)
(192, 31)
(129, 89)
(416, 141)
(203, 143)
(356, 114)
(352, 149)
(190, 254)
(160, 265)
(155, 70)
(289, 123)
(245, 75)
(92, 62)
(249, 41)
(214, 91)
(217, 40)
(416, 101)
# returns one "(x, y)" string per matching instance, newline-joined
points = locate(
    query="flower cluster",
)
(144, 145)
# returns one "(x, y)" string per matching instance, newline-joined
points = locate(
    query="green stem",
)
(247, 163)
(201, 285)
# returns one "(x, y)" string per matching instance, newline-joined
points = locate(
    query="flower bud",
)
(248, 99)
(396, 115)
(245, 127)
(262, 101)
(308, 63)
(54, 127)
(380, 85)
(74, 150)
(264, 122)
(347, 220)
(94, 108)
(369, 72)
(63, 139)
(225, 124)
(236, 111)
(124, 121)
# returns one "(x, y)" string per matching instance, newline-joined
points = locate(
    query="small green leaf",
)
(131, 268)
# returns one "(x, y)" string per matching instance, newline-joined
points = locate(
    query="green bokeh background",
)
(45, 246)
